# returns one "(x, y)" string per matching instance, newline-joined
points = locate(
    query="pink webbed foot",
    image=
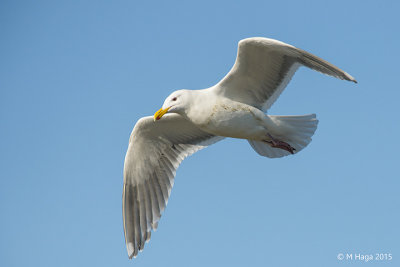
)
(280, 144)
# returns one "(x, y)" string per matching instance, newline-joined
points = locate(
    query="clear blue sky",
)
(75, 76)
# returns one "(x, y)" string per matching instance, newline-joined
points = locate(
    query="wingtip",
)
(131, 250)
(353, 80)
(350, 78)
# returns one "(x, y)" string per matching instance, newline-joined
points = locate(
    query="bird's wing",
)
(155, 151)
(264, 67)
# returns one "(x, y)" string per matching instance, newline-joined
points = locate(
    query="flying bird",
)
(190, 120)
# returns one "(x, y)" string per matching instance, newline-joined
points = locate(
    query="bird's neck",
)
(201, 102)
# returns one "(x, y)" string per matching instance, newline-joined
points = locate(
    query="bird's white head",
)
(176, 102)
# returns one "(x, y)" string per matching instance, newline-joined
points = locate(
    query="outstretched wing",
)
(264, 67)
(155, 151)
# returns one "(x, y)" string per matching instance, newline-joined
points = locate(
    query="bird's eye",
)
(174, 99)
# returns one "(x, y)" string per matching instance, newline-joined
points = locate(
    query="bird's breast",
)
(234, 120)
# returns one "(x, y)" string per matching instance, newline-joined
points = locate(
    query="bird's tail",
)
(296, 131)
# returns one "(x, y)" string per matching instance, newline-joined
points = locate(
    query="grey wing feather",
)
(155, 151)
(323, 66)
(264, 67)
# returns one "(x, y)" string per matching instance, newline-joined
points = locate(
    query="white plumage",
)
(235, 107)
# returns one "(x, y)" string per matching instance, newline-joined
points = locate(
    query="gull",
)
(190, 120)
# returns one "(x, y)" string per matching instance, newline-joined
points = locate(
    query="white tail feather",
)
(296, 131)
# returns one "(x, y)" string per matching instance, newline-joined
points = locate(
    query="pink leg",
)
(279, 144)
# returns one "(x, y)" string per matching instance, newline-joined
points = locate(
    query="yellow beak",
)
(161, 112)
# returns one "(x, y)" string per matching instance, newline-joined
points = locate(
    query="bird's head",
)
(174, 103)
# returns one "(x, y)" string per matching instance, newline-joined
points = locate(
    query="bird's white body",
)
(235, 107)
(224, 117)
